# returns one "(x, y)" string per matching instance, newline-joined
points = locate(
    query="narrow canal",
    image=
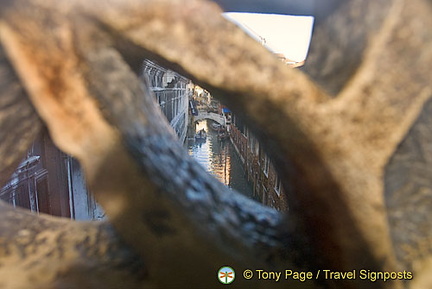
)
(220, 159)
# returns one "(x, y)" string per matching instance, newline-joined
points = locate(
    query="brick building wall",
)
(267, 187)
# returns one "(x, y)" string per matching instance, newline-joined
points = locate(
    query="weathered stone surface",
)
(408, 193)
(17, 115)
(47, 252)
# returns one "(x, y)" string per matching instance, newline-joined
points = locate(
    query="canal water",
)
(220, 159)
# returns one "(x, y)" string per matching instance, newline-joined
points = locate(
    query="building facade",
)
(172, 92)
(49, 181)
(267, 186)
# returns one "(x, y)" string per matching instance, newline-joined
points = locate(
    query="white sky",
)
(286, 34)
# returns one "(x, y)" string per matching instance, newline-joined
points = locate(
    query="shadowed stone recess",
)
(408, 191)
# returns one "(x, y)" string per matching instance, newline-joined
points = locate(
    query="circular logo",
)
(226, 275)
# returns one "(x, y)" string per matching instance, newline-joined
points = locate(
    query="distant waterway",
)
(220, 159)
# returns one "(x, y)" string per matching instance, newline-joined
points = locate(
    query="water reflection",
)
(220, 159)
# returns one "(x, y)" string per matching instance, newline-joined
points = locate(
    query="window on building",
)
(239, 124)
(254, 145)
(266, 165)
(278, 185)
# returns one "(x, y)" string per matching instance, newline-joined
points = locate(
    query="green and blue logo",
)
(226, 275)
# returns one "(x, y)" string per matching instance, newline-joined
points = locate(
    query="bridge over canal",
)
(210, 115)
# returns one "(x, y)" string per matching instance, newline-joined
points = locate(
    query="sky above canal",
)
(285, 34)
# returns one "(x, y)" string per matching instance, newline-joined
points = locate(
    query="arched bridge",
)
(210, 115)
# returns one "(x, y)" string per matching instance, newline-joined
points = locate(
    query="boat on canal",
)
(201, 135)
